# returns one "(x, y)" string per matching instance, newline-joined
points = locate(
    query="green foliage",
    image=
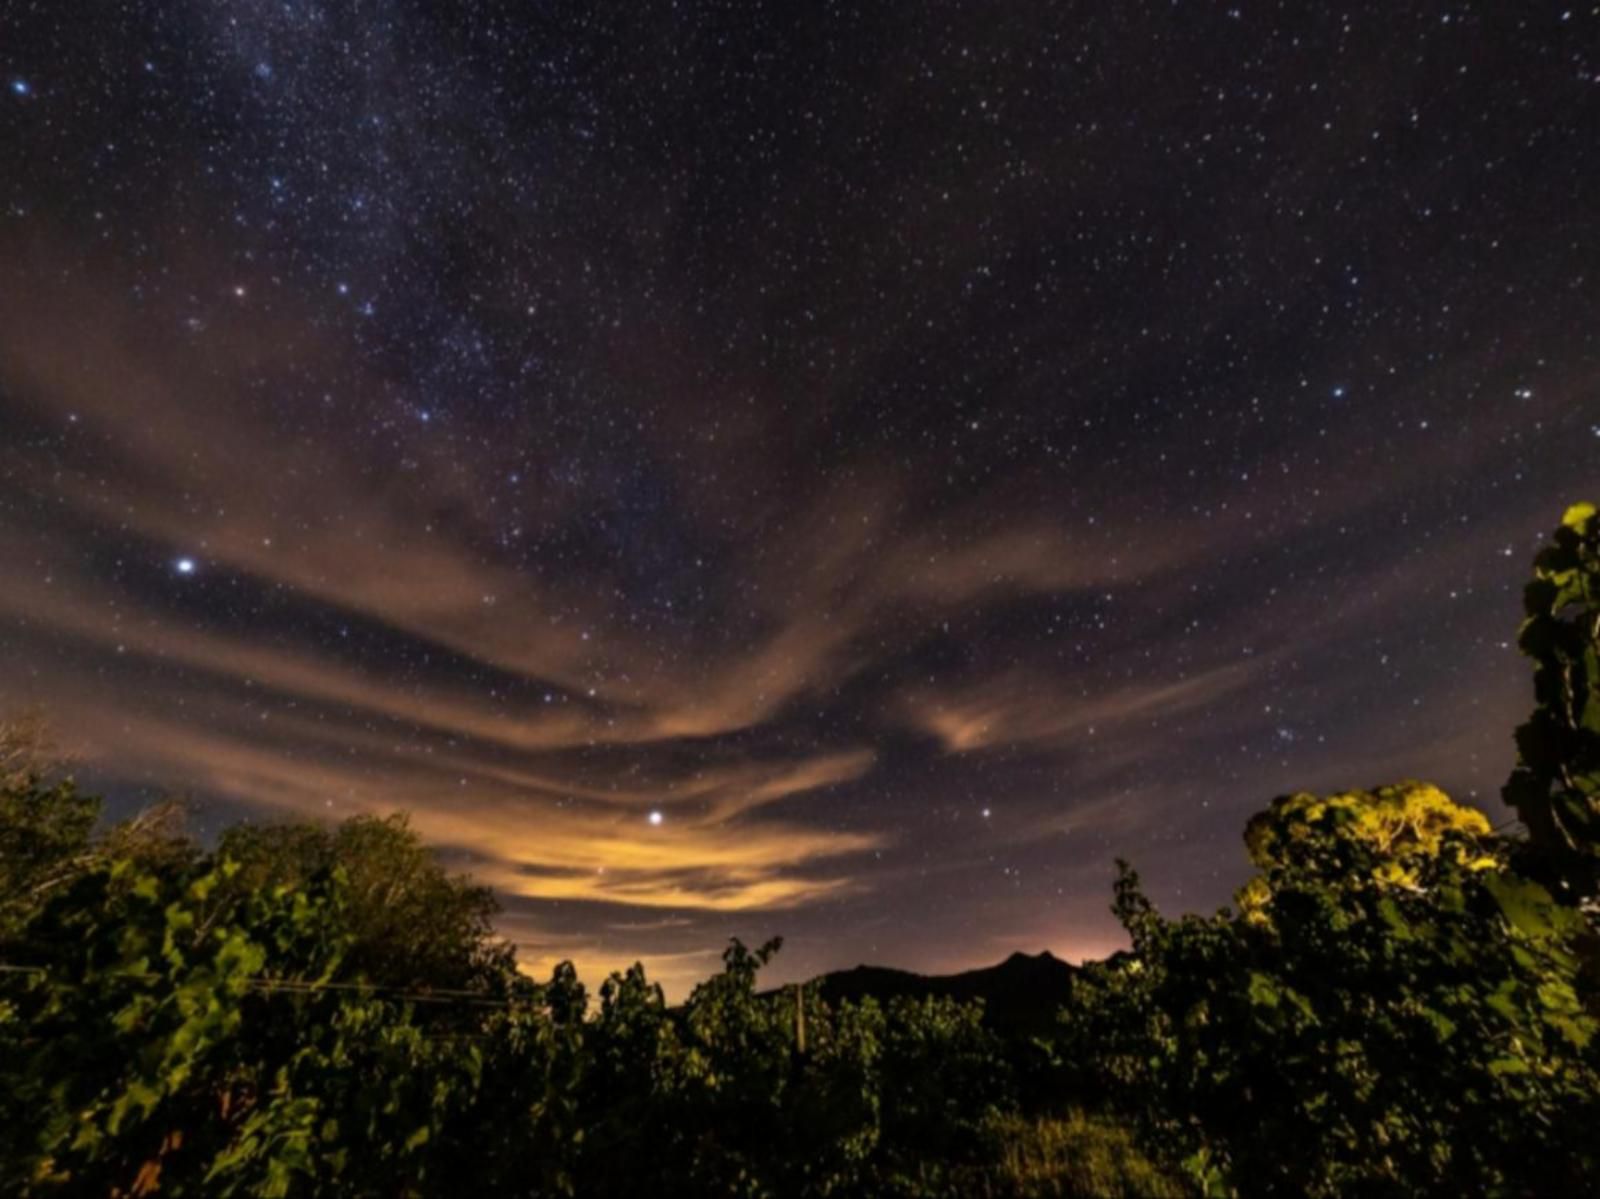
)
(135, 1026)
(1555, 786)
(1387, 837)
(411, 923)
(27, 753)
(188, 1035)
(1403, 1010)
(48, 829)
(44, 832)
(718, 1097)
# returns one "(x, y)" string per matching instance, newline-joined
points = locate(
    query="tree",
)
(1555, 786)
(27, 752)
(412, 924)
(1393, 1001)
(44, 826)
(45, 835)
(1394, 832)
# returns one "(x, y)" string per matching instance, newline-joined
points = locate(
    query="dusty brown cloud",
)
(531, 712)
(1020, 707)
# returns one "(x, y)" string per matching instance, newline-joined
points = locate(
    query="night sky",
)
(845, 471)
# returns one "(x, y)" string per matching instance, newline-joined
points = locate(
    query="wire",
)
(294, 986)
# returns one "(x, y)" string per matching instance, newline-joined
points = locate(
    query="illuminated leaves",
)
(1394, 837)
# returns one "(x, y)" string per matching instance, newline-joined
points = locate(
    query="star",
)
(574, 447)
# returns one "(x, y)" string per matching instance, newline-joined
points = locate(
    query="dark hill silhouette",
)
(1021, 994)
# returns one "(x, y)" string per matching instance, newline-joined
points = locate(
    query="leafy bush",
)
(1392, 1001)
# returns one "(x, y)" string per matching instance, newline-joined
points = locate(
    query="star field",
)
(841, 471)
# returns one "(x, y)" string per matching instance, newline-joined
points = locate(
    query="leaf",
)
(1526, 905)
(1263, 991)
(1442, 1024)
(1398, 926)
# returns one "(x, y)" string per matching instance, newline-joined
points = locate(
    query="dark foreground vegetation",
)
(1401, 1003)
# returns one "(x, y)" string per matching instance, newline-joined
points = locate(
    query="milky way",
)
(841, 471)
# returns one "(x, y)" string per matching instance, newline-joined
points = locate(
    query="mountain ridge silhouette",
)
(1021, 994)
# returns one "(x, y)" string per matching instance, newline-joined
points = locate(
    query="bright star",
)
(184, 566)
(655, 817)
(20, 87)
